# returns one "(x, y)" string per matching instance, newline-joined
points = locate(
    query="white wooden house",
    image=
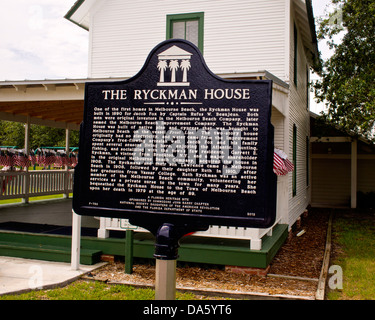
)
(242, 39)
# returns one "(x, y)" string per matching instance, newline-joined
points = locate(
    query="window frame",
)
(307, 87)
(183, 17)
(307, 161)
(295, 67)
(294, 178)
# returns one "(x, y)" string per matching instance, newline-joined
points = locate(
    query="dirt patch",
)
(301, 256)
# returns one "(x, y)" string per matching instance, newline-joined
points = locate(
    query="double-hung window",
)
(294, 178)
(295, 75)
(188, 26)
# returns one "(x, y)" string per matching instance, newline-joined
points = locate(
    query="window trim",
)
(307, 161)
(307, 87)
(294, 179)
(171, 18)
(295, 76)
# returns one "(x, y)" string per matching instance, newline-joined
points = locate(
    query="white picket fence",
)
(25, 184)
(254, 235)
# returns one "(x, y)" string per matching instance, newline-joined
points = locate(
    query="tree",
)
(348, 76)
(41, 136)
(13, 134)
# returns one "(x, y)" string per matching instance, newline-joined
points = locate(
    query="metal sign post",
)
(166, 254)
(165, 284)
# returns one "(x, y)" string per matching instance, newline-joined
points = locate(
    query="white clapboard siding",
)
(247, 35)
(298, 115)
(277, 120)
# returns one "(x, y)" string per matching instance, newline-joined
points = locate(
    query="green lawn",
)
(52, 196)
(93, 290)
(354, 244)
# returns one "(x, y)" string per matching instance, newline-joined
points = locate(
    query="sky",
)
(37, 42)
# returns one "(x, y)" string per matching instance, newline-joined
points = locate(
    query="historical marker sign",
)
(177, 143)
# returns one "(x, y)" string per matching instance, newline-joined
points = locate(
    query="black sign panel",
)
(177, 143)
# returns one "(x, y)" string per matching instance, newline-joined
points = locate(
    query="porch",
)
(42, 230)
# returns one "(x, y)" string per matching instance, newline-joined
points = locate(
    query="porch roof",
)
(53, 103)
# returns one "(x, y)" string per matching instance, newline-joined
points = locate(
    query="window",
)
(307, 161)
(188, 26)
(295, 54)
(307, 88)
(295, 160)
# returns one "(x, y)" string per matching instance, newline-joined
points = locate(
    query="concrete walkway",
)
(21, 275)
(55, 212)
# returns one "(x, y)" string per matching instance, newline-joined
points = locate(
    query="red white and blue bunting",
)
(10, 158)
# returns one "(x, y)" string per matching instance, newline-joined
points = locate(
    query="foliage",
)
(347, 86)
(13, 134)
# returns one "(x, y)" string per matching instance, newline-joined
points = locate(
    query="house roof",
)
(307, 30)
(79, 13)
(323, 130)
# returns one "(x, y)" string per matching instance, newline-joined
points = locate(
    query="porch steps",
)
(200, 249)
(192, 249)
(45, 247)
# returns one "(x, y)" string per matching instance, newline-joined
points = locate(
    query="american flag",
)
(289, 165)
(278, 165)
(281, 164)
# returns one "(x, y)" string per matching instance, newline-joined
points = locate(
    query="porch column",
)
(66, 175)
(27, 149)
(76, 241)
(353, 183)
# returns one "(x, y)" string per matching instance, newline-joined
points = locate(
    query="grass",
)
(354, 243)
(52, 196)
(93, 290)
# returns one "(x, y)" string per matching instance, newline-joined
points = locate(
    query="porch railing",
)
(25, 184)
(254, 235)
